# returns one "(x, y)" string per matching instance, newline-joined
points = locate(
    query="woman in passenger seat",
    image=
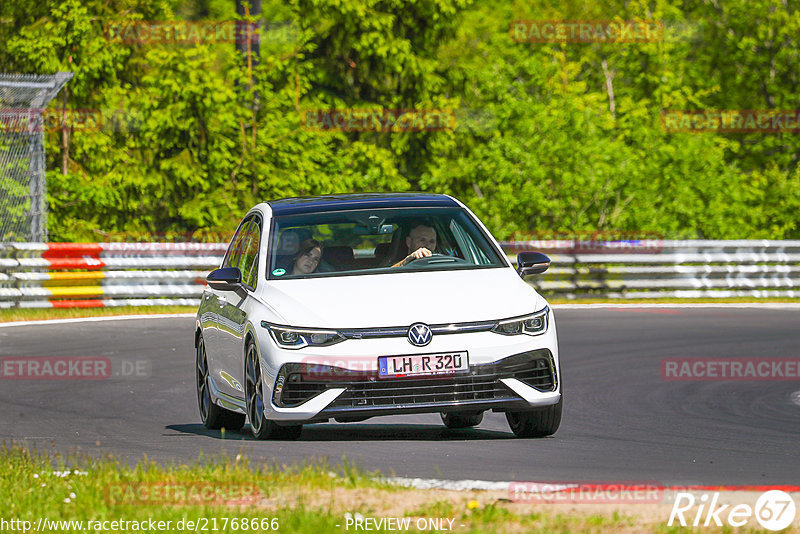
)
(308, 257)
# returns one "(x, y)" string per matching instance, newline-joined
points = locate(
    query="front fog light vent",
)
(276, 394)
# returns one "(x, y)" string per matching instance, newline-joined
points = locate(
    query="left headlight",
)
(296, 338)
(533, 325)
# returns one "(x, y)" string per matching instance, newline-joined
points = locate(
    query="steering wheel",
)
(435, 258)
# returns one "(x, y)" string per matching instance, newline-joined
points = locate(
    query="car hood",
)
(399, 299)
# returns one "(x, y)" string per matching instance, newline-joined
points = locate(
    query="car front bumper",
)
(506, 373)
(317, 393)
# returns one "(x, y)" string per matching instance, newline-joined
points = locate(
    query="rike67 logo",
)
(774, 510)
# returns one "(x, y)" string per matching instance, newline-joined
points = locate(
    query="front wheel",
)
(262, 428)
(536, 423)
(213, 416)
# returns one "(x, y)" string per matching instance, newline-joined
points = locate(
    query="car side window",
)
(248, 262)
(235, 248)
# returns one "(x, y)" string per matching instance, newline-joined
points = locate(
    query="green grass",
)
(30, 488)
(311, 498)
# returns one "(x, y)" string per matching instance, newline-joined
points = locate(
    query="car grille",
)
(481, 383)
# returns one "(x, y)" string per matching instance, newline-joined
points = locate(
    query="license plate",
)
(446, 363)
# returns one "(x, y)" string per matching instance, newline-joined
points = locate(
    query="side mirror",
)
(225, 279)
(531, 263)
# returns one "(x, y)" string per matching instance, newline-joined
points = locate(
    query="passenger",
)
(288, 245)
(421, 243)
(308, 257)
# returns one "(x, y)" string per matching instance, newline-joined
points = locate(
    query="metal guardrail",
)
(667, 268)
(64, 275)
(145, 274)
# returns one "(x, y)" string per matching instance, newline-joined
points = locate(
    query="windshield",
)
(377, 241)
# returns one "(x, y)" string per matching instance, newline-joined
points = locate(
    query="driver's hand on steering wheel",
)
(417, 254)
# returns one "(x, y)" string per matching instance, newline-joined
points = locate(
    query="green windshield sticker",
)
(279, 272)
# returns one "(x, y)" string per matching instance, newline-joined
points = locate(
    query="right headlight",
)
(533, 325)
(296, 338)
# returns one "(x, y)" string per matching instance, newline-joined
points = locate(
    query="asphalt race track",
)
(622, 420)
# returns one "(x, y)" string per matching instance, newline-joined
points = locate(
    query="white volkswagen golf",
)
(353, 306)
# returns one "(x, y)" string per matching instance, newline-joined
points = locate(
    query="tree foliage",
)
(549, 137)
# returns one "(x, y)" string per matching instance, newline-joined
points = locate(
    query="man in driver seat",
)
(421, 242)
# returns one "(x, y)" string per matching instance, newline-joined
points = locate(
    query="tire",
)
(536, 423)
(462, 420)
(213, 416)
(261, 427)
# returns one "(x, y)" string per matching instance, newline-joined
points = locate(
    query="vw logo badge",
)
(419, 334)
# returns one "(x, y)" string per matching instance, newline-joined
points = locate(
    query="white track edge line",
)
(98, 319)
(455, 485)
(529, 487)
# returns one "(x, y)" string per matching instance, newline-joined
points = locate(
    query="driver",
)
(421, 243)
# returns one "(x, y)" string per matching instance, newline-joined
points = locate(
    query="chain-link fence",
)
(23, 203)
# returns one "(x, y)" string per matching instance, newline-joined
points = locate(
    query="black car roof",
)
(300, 205)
